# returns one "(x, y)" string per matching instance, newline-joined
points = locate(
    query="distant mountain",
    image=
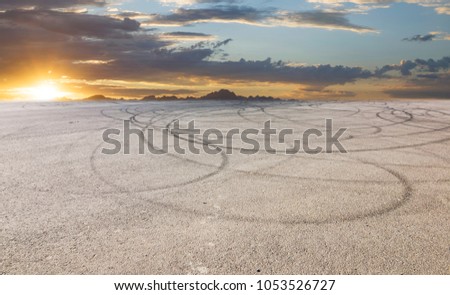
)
(98, 97)
(223, 94)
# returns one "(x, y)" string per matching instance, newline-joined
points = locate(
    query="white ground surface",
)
(381, 208)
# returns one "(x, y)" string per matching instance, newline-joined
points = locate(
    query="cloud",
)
(420, 2)
(443, 10)
(429, 86)
(191, 2)
(320, 19)
(128, 14)
(47, 4)
(163, 63)
(432, 65)
(258, 17)
(440, 6)
(34, 41)
(432, 36)
(182, 16)
(74, 24)
(428, 76)
(441, 36)
(321, 93)
(406, 66)
(421, 38)
(186, 36)
(222, 43)
(278, 71)
(430, 79)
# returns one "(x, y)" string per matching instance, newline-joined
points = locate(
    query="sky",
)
(301, 49)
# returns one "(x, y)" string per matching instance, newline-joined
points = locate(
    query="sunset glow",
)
(45, 91)
(306, 49)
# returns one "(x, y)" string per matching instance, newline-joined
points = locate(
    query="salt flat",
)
(381, 208)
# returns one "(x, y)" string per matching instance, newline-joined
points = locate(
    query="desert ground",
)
(381, 208)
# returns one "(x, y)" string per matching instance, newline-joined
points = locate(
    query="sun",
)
(45, 91)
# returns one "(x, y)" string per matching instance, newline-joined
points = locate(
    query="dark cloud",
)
(47, 4)
(321, 93)
(428, 76)
(187, 35)
(432, 65)
(405, 67)
(421, 38)
(162, 63)
(184, 16)
(433, 92)
(75, 24)
(262, 17)
(221, 43)
(437, 87)
(277, 71)
(332, 20)
(35, 41)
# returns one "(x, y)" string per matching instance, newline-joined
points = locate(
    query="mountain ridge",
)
(222, 94)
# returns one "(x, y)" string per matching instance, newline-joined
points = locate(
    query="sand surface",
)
(381, 208)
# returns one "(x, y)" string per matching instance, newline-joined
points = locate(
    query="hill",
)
(223, 94)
